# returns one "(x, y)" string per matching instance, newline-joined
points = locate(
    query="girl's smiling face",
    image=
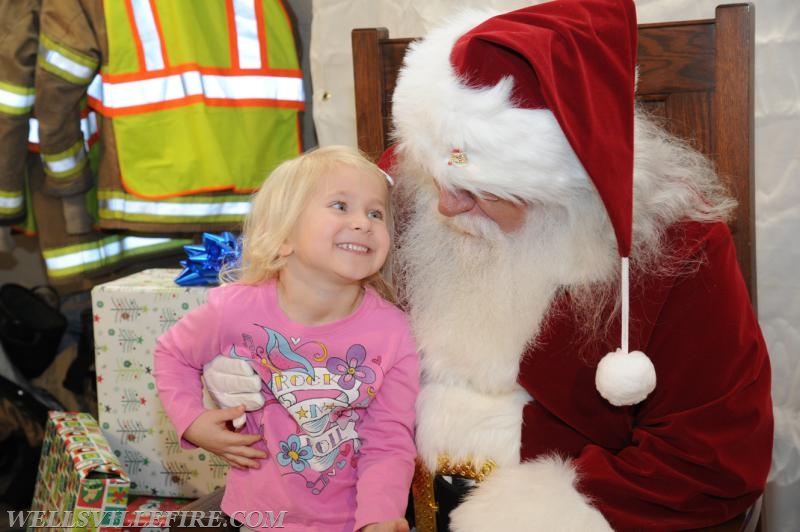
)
(342, 234)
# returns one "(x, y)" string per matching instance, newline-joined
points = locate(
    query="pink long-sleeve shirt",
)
(339, 415)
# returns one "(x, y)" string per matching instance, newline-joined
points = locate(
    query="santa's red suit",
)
(536, 107)
(697, 451)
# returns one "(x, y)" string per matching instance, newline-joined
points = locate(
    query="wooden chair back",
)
(696, 75)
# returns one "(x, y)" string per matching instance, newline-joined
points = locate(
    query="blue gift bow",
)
(204, 261)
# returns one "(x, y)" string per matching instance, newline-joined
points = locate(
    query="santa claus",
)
(591, 360)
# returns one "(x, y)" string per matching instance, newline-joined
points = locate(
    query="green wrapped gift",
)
(80, 484)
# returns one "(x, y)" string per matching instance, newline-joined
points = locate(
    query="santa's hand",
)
(232, 382)
(210, 432)
(537, 495)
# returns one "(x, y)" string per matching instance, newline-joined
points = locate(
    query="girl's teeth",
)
(354, 247)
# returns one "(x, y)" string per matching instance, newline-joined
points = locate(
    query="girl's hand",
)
(395, 525)
(210, 431)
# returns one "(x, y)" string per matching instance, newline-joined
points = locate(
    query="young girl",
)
(333, 445)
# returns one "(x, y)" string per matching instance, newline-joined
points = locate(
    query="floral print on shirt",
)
(322, 392)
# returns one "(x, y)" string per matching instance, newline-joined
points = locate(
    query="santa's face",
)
(479, 272)
(509, 216)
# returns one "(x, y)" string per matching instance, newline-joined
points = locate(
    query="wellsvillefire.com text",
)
(119, 519)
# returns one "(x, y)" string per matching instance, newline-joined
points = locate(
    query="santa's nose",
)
(455, 201)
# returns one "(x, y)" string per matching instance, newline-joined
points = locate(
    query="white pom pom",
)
(625, 378)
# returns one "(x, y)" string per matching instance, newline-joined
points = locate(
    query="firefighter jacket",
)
(199, 101)
(73, 262)
(18, 42)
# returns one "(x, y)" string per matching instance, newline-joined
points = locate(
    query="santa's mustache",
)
(474, 226)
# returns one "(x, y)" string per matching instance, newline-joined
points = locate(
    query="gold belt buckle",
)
(425, 506)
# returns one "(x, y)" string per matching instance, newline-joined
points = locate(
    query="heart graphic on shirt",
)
(377, 360)
(295, 341)
(341, 464)
(332, 472)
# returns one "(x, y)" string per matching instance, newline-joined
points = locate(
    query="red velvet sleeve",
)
(700, 447)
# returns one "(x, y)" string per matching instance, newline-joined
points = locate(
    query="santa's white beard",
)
(478, 296)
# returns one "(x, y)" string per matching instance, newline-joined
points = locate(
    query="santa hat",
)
(475, 95)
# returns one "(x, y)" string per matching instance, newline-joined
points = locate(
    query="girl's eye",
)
(339, 205)
(377, 215)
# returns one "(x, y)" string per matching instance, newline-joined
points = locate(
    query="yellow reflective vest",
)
(198, 101)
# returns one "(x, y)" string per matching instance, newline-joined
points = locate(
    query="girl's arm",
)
(386, 465)
(180, 355)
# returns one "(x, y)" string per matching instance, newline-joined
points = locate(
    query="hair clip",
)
(388, 179)
(457, 158)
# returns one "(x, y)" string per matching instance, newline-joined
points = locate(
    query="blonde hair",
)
(276, 207)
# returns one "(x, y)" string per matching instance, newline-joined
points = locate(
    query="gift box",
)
(80, 482)
(148, 514)
(129, 315)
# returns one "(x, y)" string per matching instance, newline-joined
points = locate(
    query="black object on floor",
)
(23, 418)
(31, 327)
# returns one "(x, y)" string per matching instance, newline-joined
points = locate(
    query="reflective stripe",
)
(165, 209)
(11, 202)
(67, 162)
(88, 128)
(193, 83)
(246, 34)
(72, 260)
(95, 88)
(187, 87)
(65, 63)
(15, 99)
(148, 34)
(247, 43)
(33, 131)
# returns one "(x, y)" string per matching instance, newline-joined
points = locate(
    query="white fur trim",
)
(625, 378)
(511, 152)
(538, 495)
(464, 424)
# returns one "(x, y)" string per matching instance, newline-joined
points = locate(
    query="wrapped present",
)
(129, 315)
(80, 483)
(148, 514)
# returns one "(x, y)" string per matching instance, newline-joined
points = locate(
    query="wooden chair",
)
(696, 75)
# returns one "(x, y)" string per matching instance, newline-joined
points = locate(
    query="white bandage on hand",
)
(233, 382)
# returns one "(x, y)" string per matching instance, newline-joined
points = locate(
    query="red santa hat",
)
(560, 74)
